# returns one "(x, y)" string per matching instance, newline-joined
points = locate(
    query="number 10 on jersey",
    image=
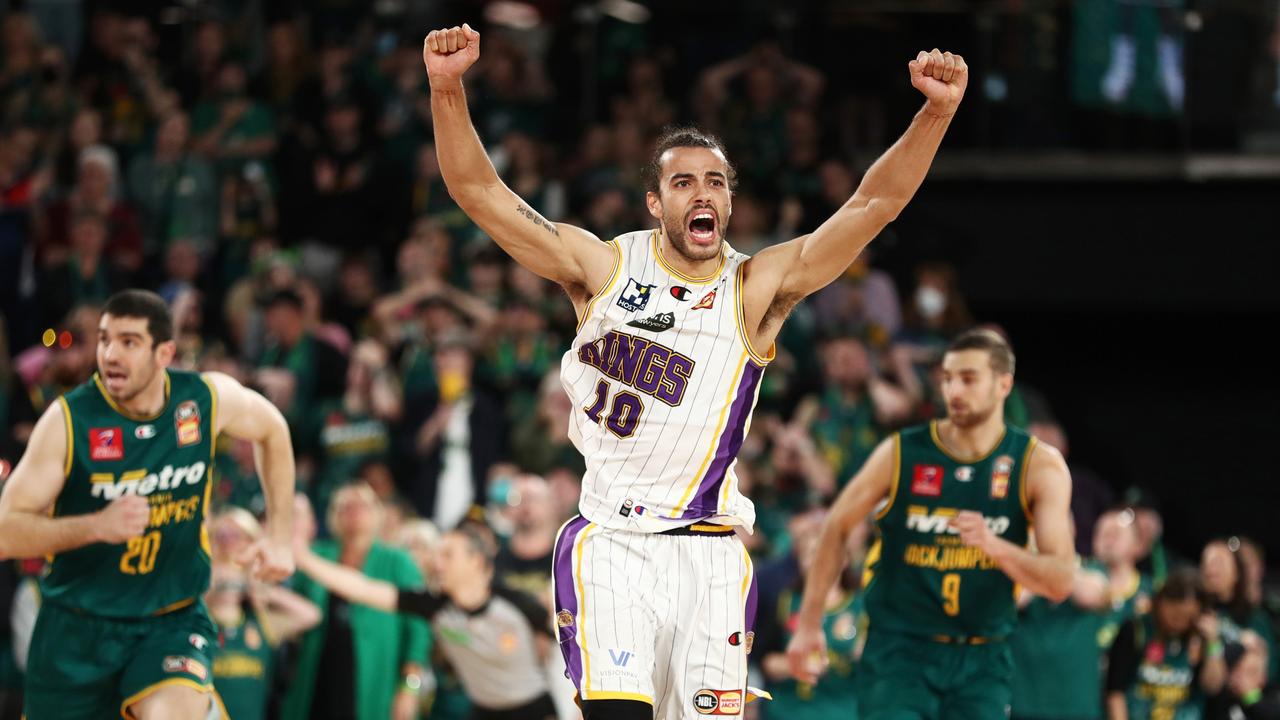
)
(625, 409)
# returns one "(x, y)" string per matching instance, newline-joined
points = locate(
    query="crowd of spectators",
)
(271, 173)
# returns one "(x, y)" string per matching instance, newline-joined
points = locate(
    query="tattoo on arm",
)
(537, 220)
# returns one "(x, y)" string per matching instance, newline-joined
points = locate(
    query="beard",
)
(971, 418)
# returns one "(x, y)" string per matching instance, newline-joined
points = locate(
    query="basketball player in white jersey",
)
(654, 593)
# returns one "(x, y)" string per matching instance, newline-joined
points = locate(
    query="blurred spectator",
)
(745, 98)
(1247, 695)
(540, 440)
(85, 275)
(521, 355)
(83, 131)
(96, 192)
(864, 299)
(197, 80)
(458, 432)
(297, 370)
(352, 665)
(855, 407)
(1165, 663)
(844, 626)
(252, 619)
(936, 312)
(17, 416)
(286, 68)
(355, 429)
(511, 92)
(1226, 579)
(1059, 648)
(524, 559)
(21, 185)
(232, 128)
(176, 192)
(247, 213)
(1154, 559)
(1090, 494)
(356, 290)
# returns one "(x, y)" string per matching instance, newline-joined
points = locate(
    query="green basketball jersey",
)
(166, 459)
(1165, 687)
(920, 578)
(834, 695)
(242, 668)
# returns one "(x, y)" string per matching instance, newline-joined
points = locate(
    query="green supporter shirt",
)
(166, 458)
(920, 579)
(833, 696)
(1155, 673)
(346, 442)
(846, 433)
(242, 667)
(1057, 656)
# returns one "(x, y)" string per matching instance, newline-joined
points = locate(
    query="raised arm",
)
(807, 650)
(568, 255)
(1050, 570)
(27, 530)
(787, 272)
(348, 583)
(244, 414)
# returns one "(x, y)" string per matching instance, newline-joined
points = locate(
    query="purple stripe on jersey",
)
(752, 597)
(566, 598)
(705, 502)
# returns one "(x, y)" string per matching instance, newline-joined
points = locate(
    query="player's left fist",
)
(973, 529)
(942, 77)
(268, 561)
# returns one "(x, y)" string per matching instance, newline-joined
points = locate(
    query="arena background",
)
(1127, 247)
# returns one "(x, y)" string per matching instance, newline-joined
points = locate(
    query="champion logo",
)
(679, 293)
(144, 432)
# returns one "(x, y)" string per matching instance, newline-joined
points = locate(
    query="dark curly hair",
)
(677, 137)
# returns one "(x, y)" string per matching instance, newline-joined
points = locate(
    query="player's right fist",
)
(807, 654)
(124, 518)
(448, 53)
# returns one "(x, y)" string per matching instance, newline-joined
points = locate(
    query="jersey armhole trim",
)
(213, 419)
(741, 318)
(604, 289)
(1022, 478)
(71, 440)
(893, 481)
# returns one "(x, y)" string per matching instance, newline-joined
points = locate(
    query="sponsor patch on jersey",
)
(655, 323)
(1002, 468)
(627, 505)
(186, 419)
(636, 296)
(926, 480)
(190, 666)
(564, 618)
(679, 293)
(718, 702)
(106, 444)
(144, 432)
(964, 473)
(197, 641)
(707, 302)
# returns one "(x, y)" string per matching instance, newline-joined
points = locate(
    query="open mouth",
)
(114, 376)
(702, 226)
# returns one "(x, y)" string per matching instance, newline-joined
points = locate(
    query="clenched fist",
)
(942, 77)
(448, 53)
(124, 518)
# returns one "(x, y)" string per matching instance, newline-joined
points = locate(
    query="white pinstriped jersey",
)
(664, 383)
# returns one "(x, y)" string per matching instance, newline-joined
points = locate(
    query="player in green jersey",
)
(114, 488)
(955, 502)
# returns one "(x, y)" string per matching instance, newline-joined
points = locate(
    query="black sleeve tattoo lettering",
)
(537, 220)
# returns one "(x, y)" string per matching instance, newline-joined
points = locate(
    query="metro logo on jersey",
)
(143, 482)
(106, 444)
(927, 480)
